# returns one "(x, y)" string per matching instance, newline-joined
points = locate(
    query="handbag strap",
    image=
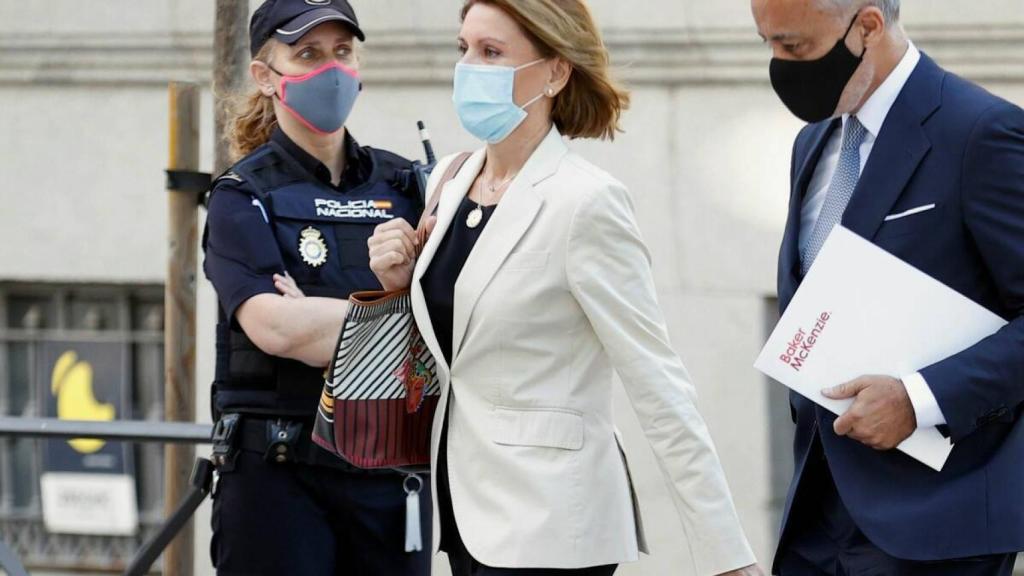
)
(435, 198)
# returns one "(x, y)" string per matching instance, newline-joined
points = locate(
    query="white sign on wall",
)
(89, 504)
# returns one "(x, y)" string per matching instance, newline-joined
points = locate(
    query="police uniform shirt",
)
(242, 253)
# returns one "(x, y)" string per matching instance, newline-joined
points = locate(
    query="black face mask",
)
(811, 89)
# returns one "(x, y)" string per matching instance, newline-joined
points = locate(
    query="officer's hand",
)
(393, 249)
(287, 287)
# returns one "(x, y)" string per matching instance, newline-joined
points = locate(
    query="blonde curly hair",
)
(252, 116)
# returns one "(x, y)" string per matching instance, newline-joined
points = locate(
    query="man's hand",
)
(882, 415)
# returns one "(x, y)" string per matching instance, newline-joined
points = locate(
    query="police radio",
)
(421, 171)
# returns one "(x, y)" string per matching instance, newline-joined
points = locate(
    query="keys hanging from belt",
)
(413, 485)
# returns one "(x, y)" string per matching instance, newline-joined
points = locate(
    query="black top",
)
(439, 281)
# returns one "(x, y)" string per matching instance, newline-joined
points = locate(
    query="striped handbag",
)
(381, 393)
(381, 390)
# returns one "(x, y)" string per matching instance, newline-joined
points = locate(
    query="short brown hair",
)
(592, 102)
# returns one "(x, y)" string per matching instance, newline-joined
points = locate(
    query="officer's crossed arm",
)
(303, 329)
(242, 257)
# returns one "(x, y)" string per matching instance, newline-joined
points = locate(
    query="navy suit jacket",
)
(950, 143)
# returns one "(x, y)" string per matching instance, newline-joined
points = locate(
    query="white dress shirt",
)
(872, 116)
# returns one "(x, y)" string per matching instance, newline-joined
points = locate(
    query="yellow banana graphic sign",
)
(72, 385)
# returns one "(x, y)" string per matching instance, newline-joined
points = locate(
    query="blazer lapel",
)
(448, 206)
(451, 197)
(899, 149)
(511, 219)
(789, 258)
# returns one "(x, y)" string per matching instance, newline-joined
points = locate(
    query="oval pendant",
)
(475, 217)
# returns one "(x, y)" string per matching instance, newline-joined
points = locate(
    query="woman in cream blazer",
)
(555, 294)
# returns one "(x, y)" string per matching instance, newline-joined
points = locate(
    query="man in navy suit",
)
(931, 168)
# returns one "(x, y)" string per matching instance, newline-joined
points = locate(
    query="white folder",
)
(862, 311)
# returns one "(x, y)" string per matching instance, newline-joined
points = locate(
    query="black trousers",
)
(461, 561)
(822, 539)
(277, 519)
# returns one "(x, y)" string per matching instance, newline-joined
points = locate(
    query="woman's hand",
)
(287, 287)
(752, 570)
(394, 247)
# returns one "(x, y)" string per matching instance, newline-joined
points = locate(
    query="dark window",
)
(30, 315)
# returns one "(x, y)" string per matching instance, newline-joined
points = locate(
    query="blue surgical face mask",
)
(485, 102)
(322, 99)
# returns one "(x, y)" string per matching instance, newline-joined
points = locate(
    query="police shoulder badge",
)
(312, 247)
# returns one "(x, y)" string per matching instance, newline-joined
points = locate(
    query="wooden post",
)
(230, 69)
(180, 315)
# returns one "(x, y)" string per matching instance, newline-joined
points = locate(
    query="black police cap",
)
(289, 20)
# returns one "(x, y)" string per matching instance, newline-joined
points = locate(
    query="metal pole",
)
(201, 482)
(10, 563)
(123, 430)
(180, 315)
(230, 70)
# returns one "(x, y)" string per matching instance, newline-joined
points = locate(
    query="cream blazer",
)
(557, 294)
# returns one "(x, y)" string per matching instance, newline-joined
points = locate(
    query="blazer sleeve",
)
(609, 273)
(986, 382)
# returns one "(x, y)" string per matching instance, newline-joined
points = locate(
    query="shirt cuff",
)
(926, 407)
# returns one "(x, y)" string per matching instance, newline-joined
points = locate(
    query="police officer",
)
(293, 217)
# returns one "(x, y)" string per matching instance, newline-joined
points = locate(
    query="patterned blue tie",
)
(840, 190)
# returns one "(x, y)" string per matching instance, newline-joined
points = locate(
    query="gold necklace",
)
(477, 215)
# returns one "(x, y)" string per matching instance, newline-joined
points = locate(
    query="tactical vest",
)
(322, 235)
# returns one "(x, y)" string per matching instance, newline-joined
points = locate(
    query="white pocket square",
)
(910, 212)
